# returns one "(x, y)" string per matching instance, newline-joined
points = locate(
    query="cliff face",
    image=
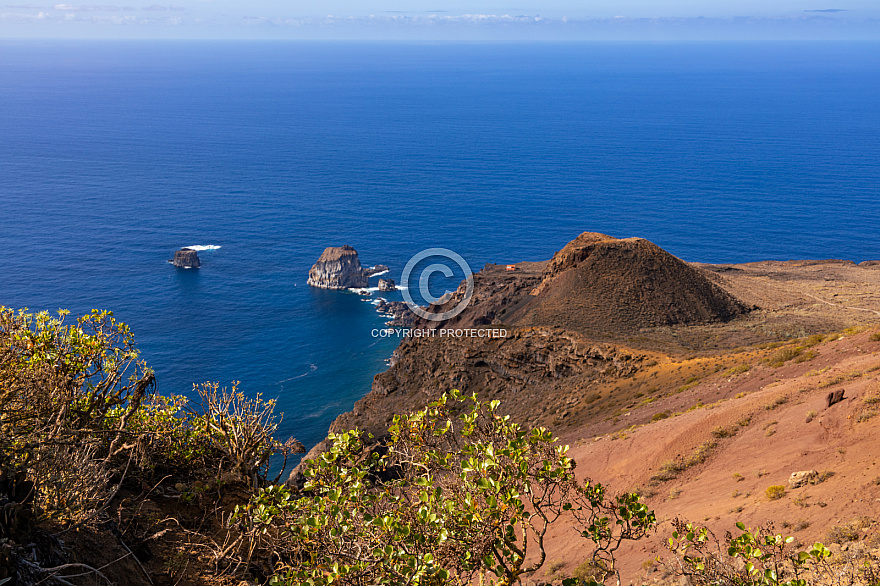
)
(541, 376)
(186, 258)
(338, 268)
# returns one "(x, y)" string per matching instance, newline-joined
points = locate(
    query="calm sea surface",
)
(113, 155)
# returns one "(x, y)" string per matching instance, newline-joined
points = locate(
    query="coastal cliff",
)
(338, 268)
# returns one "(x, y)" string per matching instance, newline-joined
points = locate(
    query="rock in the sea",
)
(387, 285)
(376, 270)
(186, 258)
(799, 479)
(402, 316)
(338, 268)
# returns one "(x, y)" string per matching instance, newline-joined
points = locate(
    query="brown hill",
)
(598, 284)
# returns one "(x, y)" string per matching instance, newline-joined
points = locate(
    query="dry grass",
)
(779, 401)
(783, 355)
(800, 525)
(722, 432)
(775, 492)
(818, 372)
(801, 500)
(806, 356)
(848, 531)
(841, 378)
(825, 475)
(737, 370)
(866, 415)
(672, 468)
(872, 398)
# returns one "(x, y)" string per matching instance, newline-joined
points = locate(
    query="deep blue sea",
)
(114, 154)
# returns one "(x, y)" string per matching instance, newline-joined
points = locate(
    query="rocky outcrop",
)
(378, 269)
(803, 478)
(387, 285)
(338, 268)
(399, 312)
(834, 397)
(186, 258)
(537, 373)
(598, 286)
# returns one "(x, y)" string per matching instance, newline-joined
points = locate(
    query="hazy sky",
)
(442, 19)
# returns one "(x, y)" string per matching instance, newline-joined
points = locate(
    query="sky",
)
(474, 20)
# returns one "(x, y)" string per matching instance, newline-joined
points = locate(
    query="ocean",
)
(115, 154)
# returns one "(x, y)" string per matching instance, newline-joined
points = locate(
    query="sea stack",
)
(387, 285)
(338, 268)
(186, 258)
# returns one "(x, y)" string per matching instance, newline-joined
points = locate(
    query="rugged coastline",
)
(599, 310)
(612, 335)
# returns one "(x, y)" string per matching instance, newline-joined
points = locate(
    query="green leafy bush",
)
(443, 500)
(226, 432)
(761, 557)
(68, 392)
(78, 410)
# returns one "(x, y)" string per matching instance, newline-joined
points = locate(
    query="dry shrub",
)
(775, 492)
(67, 490)
(849, 531)
(243, 430)
(722, 432)
(783, 355)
